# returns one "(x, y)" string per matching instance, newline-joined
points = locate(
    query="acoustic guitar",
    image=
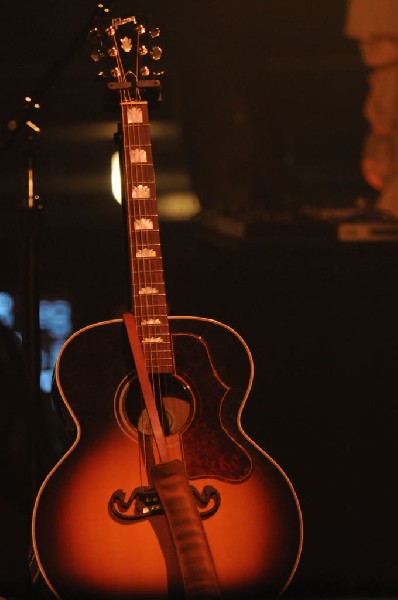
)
(161, 494)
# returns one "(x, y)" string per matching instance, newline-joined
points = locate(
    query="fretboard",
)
(148, 288)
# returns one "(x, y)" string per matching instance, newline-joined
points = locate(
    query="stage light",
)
(115, 178)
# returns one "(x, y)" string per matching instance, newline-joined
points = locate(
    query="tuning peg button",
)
(154, 32)
(156, 53)
(97, 55)
(94, 35)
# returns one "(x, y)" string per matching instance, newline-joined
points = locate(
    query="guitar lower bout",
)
(99, 530)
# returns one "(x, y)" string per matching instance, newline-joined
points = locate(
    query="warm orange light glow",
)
(96, 550)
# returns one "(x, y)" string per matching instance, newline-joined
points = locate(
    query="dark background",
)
(264, 100)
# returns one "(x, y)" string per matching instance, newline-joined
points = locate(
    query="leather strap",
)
(186, 528)
(192, 547)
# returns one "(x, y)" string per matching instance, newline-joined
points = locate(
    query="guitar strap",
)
(146, 387)
(170, 481)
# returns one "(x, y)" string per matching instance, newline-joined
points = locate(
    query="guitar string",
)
(155, 303)
(129, 183)
(145, 238)
(140, 274)
(162, 350)
(138, 277)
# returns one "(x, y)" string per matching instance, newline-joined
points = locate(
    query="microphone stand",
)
(31, 208)
(24, 120)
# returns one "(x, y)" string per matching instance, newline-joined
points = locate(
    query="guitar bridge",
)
(144, 502)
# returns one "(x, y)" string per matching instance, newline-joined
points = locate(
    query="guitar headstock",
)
(127, 50)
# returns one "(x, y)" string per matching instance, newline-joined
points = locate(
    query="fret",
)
(156, 329)
(155, 268)
(161, 367)
(142, 239)
(146, 286)
(156, 311)
(140, 173)
(145, 310)
(141, 311)
(162, 330)
(159, 331)
(142, 207)
(145, 214)
(145, 280)
(148, 238)
(157, 344)
(138, 135)
(155, 355)
(156, 276)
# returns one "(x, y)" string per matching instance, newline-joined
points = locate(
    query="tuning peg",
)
(156, 53)
(97, 55)
(145, 71)
(94, 35)
(154, 32)
(143, 50)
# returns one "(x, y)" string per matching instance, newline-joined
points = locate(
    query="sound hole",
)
(173, 401)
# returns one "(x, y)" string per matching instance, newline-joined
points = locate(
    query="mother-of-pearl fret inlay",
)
(145, 253)
(151, 322)
(143, 224)
(134, 115)
(141, 191)
(148, 290)
(138, 155)
(153, 340)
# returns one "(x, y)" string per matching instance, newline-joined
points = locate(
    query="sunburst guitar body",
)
(88, 546)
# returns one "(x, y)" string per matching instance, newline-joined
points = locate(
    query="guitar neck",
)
(148, 288)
